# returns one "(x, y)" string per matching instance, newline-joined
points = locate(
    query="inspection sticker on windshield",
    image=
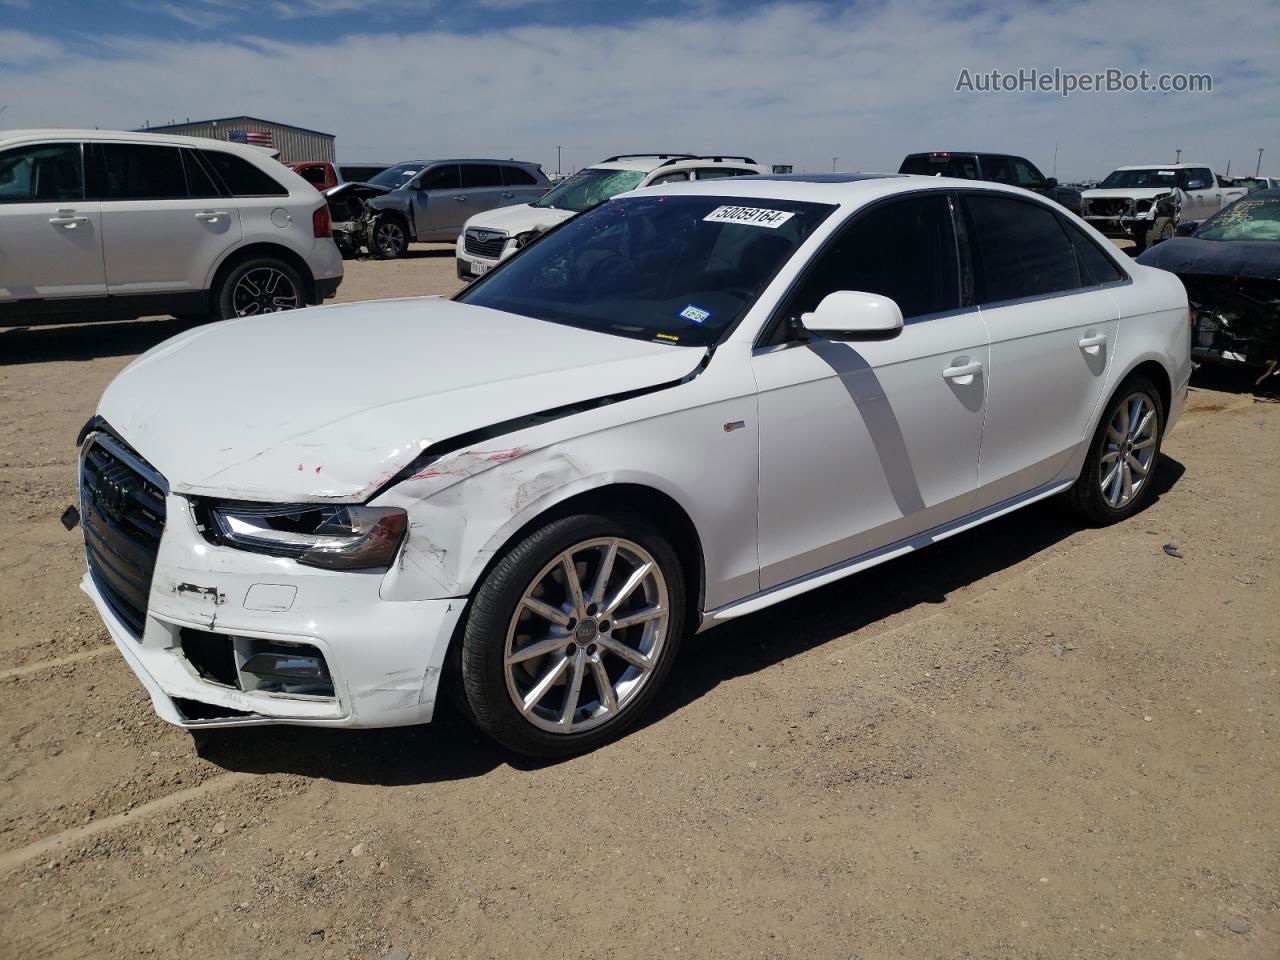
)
(755, 216)
(696, 314)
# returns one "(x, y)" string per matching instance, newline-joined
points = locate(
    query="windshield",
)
(1244, 220)
(670, 269)
(1253, 183)
(398, 175)
(589, 187)
(1154, 177)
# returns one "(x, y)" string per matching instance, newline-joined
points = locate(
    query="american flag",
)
(255, 138)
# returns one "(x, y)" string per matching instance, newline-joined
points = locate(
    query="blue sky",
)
(795, 82)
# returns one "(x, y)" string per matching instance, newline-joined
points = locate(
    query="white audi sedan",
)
(678, 408)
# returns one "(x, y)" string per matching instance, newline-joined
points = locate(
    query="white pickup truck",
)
(1145, 203)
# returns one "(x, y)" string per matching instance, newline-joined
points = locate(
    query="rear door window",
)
(41, 172)
(137, 171)
(476, 175)
(1020, 249)
(200, 182)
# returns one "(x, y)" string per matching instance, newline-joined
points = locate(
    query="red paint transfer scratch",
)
(502, 456)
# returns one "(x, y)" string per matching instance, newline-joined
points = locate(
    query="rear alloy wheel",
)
(1117, 475)
(571, 634)
(257, 286)
(1161, 231)
(390, 239)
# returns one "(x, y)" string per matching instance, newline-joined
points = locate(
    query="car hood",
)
(518, 219)
(330, 402)
(356, 190)
(1128, 193)
(1259, 259)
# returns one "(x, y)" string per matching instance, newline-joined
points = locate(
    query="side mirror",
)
(1196, 185)
(1185, 228)
(853, 315)
(1050, 182)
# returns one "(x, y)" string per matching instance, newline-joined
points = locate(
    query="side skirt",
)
(872, 558)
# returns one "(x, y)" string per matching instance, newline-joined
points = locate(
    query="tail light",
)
(321, 222)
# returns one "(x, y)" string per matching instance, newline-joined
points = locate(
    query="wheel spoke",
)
(1123, 416)
(642, 615)
(273, 281)
(548, 680)
(572, 585)
(1113, 483)
(628, 588)
(1141, 428)
(629, 654)
(1111, 456)
(250, 287)
(538, 649)
(546, 611)
(1127, 486)
(1149, 442)
(603, 686)
(1115, 435)
(573, 691)
(249, 310)
(602, 575)
(1135, 465)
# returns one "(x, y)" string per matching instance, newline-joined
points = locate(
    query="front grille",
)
(1110, 207)
(122, 512)
(490, 247)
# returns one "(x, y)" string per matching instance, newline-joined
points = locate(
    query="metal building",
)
(294, 143)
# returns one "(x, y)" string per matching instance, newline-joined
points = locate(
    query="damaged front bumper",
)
(335, 653)
(1121, 228)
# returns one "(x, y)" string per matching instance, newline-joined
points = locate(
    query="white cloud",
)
(790, 83)
(17, 48)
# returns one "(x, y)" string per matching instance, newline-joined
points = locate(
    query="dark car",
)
(1230, 265)
(995, 167)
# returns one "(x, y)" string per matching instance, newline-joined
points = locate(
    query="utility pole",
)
(1178, 158)
(1257, 170)
(833, 164)
(557, 162)
(1055, 161)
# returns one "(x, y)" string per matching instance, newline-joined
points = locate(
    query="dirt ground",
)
(1032, 740)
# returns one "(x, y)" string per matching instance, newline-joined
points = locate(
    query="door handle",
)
(507, 196)
(1092, 345)
(68, 222)
(459, 199)
(211, 216)
(964, 373)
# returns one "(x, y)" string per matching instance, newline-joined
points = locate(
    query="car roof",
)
(965, 153)
(1161, 166)
(648, 162)
(427, 163)
(8, 137)
(847, 190)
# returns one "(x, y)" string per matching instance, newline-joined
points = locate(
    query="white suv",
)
(494, 235)
(102, 225)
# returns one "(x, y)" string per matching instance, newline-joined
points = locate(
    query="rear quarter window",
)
(242, 178)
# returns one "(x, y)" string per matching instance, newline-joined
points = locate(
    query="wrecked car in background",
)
(1146, 203)
(1230, 265)
(426, 201)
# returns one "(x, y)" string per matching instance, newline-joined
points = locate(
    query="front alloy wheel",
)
(571, 634)
(390, 239)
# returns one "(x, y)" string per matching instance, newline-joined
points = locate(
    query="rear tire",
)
(1124, 454)
(1161, 231)
(259, 285)
(602, 649)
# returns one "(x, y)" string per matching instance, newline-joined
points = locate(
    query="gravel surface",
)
(1032, 740)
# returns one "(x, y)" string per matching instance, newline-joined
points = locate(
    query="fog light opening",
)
(297, 669)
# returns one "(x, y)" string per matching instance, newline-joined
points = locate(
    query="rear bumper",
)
(327, 288)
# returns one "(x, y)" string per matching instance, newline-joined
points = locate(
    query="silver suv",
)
(427, 200)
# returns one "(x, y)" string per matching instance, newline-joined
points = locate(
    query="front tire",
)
(572, 633)
(260, 285)
(1115, 482)
(389, 239)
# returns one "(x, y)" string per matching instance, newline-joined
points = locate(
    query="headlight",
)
(1143, 206)
(336, 537)
(522, 240)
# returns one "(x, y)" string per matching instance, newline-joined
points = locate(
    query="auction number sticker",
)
(754, 216)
